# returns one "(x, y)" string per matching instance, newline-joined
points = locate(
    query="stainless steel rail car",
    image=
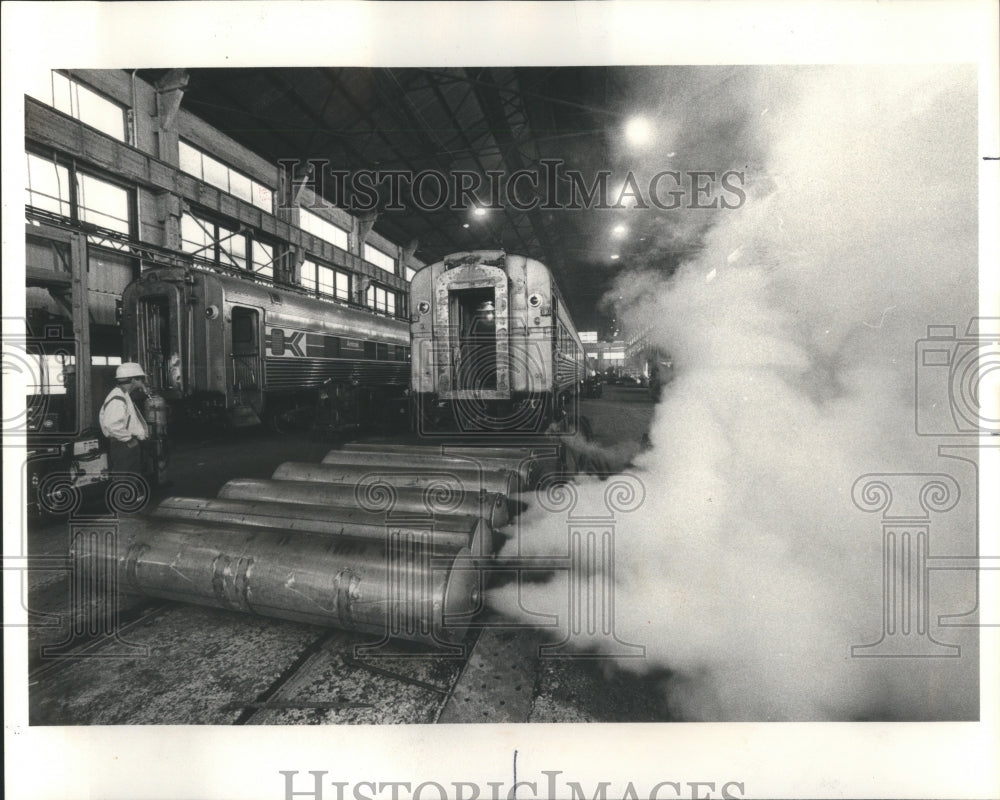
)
(494, 348)
(226, 349)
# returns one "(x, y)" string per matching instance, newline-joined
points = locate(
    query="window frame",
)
(220, 258)
(230, 171)
(73, 200)
(335, 273)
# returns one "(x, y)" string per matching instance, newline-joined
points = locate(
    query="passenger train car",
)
(494, 348)
(235, 352)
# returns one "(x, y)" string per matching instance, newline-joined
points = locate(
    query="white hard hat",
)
(129, 370)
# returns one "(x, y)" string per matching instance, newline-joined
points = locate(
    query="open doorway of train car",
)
(244, 373)
(246, 349)
(474, 340)
(154, 341)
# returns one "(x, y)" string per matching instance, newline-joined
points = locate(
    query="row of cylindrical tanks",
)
(381, 539)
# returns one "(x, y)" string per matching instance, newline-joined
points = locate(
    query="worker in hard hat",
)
(121, 421)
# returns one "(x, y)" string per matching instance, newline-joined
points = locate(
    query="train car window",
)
(406, 354)
(371, 351)
(382, 351)
(353, 346)
(331, 347)
(277, 342)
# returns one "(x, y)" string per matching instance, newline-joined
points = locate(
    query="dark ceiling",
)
(449, 120)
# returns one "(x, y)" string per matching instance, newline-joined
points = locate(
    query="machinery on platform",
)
(228, 350)
(494, 348)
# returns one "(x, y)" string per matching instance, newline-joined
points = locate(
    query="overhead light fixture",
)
(638, 131)
(614, 257)
(478, 211)
(619, 230)
(465, 224)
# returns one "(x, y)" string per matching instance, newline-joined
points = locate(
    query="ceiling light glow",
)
(638, 131)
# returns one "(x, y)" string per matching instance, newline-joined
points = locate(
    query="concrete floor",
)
(177, 664)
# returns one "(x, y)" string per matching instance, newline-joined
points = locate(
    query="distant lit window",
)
(380, 299)
(381, 260)
(73, 98)
(48, 186)
(410, 272)
(203, 166)
(320, 228)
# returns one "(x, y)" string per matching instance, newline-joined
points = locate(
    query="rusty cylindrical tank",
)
(444, 532)
(528, 471)
(378, 499)
(400, 476)
(394, 587)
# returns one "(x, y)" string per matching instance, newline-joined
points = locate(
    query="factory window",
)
(232, 248)
(381, 260)
(307, 278)
(73, 98)
(320, 228)
(200, 164)
(48, 186)
(325, 281)
(95, 201)
(103, 204)
(410, 272)
(224, 247)
(263, 259)
(380, 299)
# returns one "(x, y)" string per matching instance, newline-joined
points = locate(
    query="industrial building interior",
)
(502, 394)
(233, 172)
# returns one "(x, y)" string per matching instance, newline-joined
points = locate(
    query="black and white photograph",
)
(501, 400)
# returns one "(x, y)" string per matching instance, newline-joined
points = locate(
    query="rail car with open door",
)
(233, 352)
(494, 347)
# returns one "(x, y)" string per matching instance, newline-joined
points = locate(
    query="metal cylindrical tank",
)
(395, 587)
(527, 470)
(400, 476)
(433, 501)
(447, 532)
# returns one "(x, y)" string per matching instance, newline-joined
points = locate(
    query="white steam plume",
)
(747, 571)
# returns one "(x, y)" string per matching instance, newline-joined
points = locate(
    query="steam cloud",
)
(747, 571)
